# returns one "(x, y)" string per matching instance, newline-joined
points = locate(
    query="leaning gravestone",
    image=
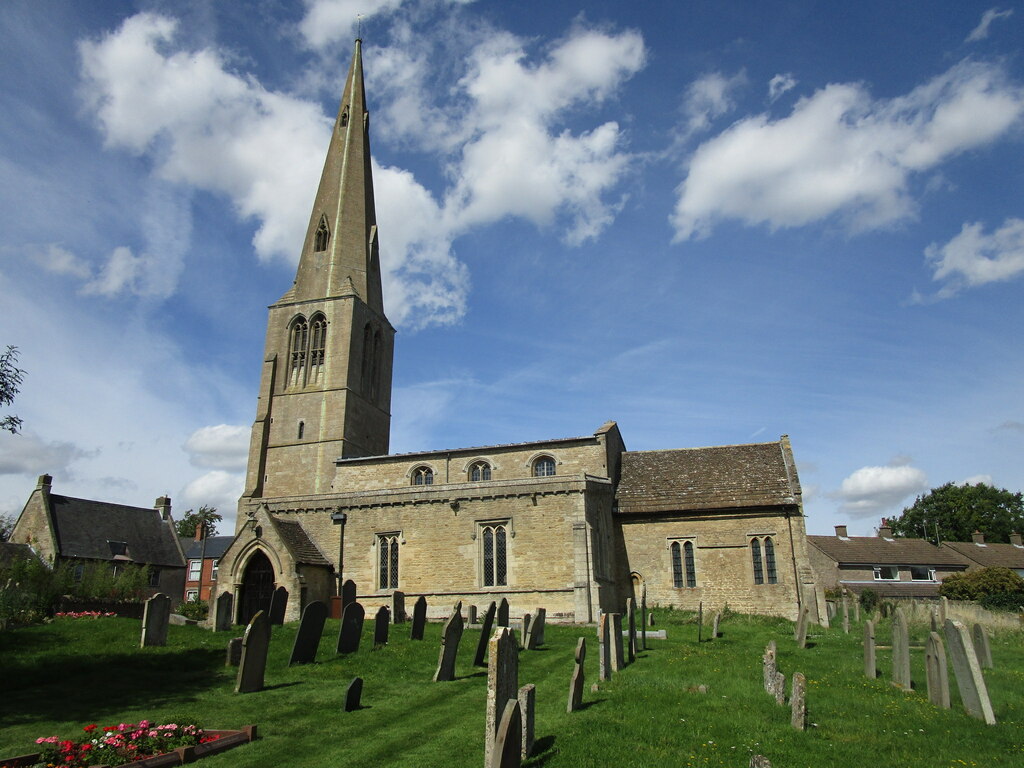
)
(943, 610)
(351, 628)
(618, 657)
(253, 665)
(604, 647)
(506, 751)
(936, 671)
(537, 629)
(354, 694)
(969, 680)
(631, 646)
(527, 706)
(900, 651)
(223, 605)
(502, 687)
(398, 607)
(576, 683)
(419, 618)
(503, 612)
(982, 647)
(278, 603)
(870, 666)
(480, 659)
(307, 639)
(801, 628)
(156, 617)
(774, 681)
(234, 654)
(380, 627)
(798, 702)
(525, 634)
(450, 637)
(714, 625)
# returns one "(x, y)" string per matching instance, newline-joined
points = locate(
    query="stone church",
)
(575, 525)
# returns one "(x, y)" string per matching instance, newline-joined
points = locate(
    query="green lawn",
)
(62, 676)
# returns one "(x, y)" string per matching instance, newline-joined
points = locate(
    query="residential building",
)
(981, 554)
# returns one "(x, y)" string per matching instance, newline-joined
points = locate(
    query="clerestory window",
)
(544, 467)
(479, 472)
(423, 476)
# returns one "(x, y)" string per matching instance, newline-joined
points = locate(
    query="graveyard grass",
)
(62, 676)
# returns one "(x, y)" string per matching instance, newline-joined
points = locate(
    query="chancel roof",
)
(989, 555)
(719, 477)
(877, 550)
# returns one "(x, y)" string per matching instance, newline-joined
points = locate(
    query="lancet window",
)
(494, 540)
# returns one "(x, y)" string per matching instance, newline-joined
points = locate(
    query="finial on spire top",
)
(359, 27)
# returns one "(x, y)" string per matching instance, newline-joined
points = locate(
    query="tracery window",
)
(423, 476)
(317, 346)
(755, 551)
(769, 560)
(322, 236)
(480, 471)
(494, 538)
(691, 569)
(387, 554)
(765, 570)
(298, 346)
(684, 567)
(677, 565)
(544, 467)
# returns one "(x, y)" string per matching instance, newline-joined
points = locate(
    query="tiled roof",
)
(875, 550)
(295, 538)
(720, 477)
(989, 555)
(919, 589)
(94, 530)
(215, 547)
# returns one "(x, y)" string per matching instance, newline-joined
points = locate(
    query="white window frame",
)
(195, 570)
(191, 594)
(877, 573)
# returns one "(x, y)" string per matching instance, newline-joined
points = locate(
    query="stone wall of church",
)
(33, 526)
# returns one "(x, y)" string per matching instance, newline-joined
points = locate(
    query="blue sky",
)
(713, 222)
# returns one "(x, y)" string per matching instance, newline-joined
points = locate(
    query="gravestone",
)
(846, 614)
(278, 604)
(900, 650)
(576, 683)
(631, 646)
(650, 619)
(982, 647)
(604, 647)
(801, 628)
(506, 749)
(643, 620)
(525, 634)
(348, 593)
(774, 681)
(307, 639)
(870, 665)
(222, 614)
(502, 687)
(935, 618)
(527, 706)
(480, 659)
(471, 615)
(398, 607)
(503, 612)
(419, 618)
(381, 624)
(539, 620)
(700, 621)
(156, 617)
(253, 664)
(759, 761)
(450, 637)
(234, 655)
(714, 625)
(969, 680)
(618, 658)
(856, 610)
(354, 694)
(936, 671)
(351, 628)
(798, 702)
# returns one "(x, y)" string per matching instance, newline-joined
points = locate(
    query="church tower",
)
(325, 389)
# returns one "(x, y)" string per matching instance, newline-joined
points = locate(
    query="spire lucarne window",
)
(322, 237)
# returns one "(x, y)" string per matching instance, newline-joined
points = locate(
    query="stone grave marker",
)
(381, 624)
(419, 618)
(870, 665)
(348, 593)
(502, 687)
(856, 609)
(525, 632)
(576, 683)
(278, 604)
(935, 618)
(604, 647)
(354, 695)
(307, 639)
(943, 610)
(650, 619)
(234, 655)
(900, 651)
(969, 680)
(798, 702)
(222, 612)
(618, 658)
(506, 750)
(982, 646)
(471, 615)
(801, 628)
(714, 625)
(351, 628)
(156, 618)
(631, 646)
(398, 607)
(643, 620)
(539, 620)
(527, 707)
(253, 664)
(480, 659)
(450, 637)
(503, 612)
(759, 761)
(936, 671)
(846, 614)
(700, 621)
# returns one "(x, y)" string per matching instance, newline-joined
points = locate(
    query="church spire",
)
(339, 255)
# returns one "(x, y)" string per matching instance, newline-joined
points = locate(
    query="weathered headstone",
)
(503, 612)
(222, 612)
(502, 687)
(700, 621)
(471, 614)
(760, 761)
(156, 617)
(943, 610)
(870, 665)
(398, 607)
(278, 604)
(354, 694)
(576, 683)
(480, 659)
(801, 628)
(307, 639)
(935, 618)
(253, 664)
(381, 624)
(234, 654)
(604, 647)
(539, 620)
(527, 706)
(618, 657)
(525, 632)
(969, 680)
(348, 593)
(506, 749)
(856, 609)
(714, 625)
(936, 671)
(769, 664)
(419, 618)
(650, 619)
(982, 647)
(631, 646)
(643, 620)
(798, 702)
(900, 651)
(351, 628)
(450, 637)
(846, 614)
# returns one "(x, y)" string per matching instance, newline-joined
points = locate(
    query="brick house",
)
(202, 560)
(981, 554)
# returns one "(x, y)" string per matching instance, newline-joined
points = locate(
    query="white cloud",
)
(27, 453)
(780, 84)
(216, 488)
(975, 479)
(707, 98)
(60, 261)
(330, 21)
(841, 153)
(980, 32)
(974, 258)
(870, 491)
(223, 446)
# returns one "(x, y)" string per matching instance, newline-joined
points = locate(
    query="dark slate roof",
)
(216, 546)
(908, 589)
(295, 538)
(719, 477)
(875, 550)
(95, 529)
(989, 555)
(9, 552)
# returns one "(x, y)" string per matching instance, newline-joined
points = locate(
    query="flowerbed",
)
(84, 614)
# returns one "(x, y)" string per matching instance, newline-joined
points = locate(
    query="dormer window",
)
(323, 235)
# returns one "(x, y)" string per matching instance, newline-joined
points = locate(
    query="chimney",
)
(979, 538)
(44, 482)
(163, 506)
(884, 531)
(1015, 539)
(200, 530)
(841, 531)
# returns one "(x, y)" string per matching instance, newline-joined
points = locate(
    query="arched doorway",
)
(257, 587)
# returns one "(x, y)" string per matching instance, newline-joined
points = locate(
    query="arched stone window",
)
(298, 344)
(494, 538)
(769, 560)
(423, 476)
(684, 568)
(755, 554)
(387, 556)
(479, 471)
(317, 346)
(762, 550)
(543, 466)
(322, 236)
(688, 561)
(677, 565)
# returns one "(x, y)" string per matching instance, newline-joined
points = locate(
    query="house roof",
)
(9, 552)
(216, 546)
(99, 530)
(294, 536)
(719, 477)
(876, 550)
(988, 555)
(907, 589)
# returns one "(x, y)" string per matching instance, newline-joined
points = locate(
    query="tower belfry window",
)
(317, 346)
(299, 342)
(323, 235)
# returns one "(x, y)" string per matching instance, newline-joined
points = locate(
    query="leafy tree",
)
(959, 511)
(206, 516)
(7, 522)
(983, 583)
(11, 377)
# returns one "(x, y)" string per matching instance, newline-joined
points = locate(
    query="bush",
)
(1003, 602)
(868, 600)
(194, 609)
(984, 583)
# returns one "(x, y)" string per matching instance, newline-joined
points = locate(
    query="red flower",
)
(90, 728)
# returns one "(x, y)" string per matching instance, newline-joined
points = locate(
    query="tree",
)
(7, 522)
(11, 377)
(960, 510)
(206, 516)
